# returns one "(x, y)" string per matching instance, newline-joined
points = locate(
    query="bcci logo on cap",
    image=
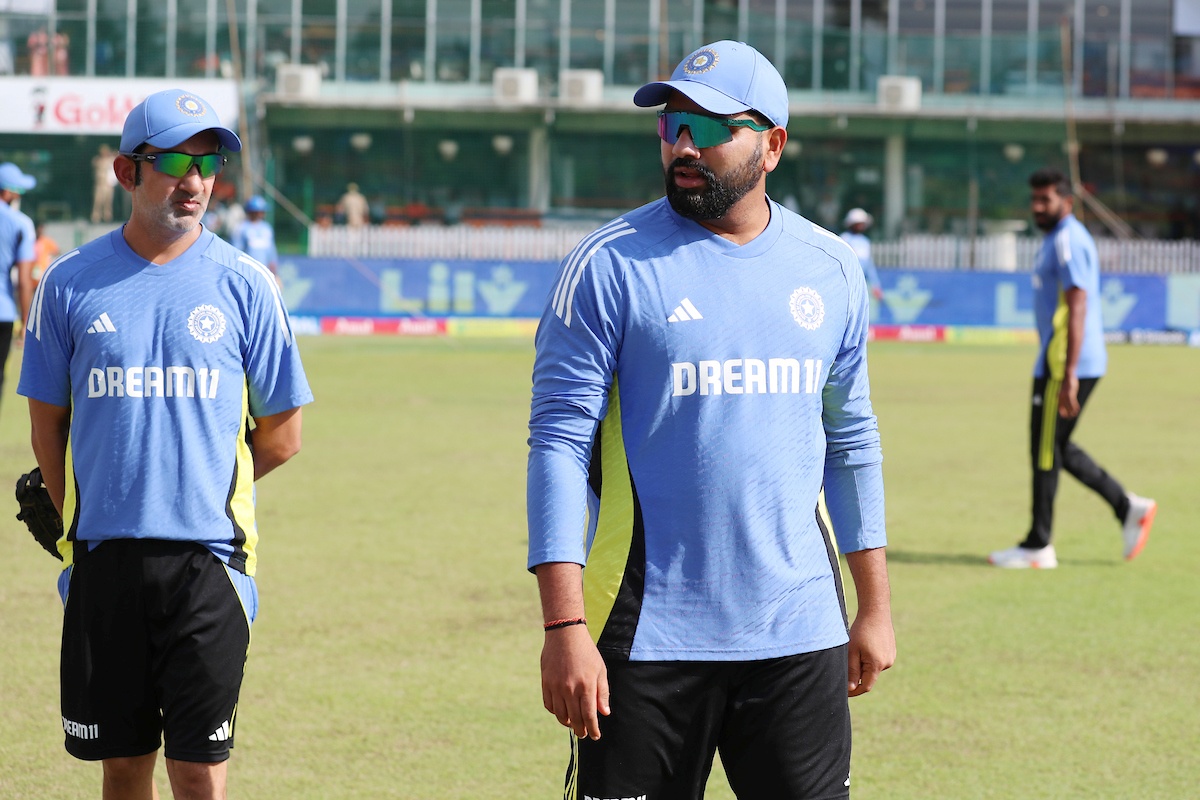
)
(701, 61)
(190, 105)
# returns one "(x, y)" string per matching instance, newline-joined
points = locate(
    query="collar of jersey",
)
(752, 249)
(192, 254)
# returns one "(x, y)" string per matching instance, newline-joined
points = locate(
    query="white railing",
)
(1005, 252)
(453, 241)
(1011, 253)
(990, 253)
(1149, 255)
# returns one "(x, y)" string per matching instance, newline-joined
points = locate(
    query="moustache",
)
(694, 166)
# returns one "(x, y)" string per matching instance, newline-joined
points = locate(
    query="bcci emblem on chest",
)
(807, 308)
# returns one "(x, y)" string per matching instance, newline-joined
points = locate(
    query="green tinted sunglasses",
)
(707, 130)
(179, 164)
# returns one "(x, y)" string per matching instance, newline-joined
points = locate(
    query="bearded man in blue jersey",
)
(1071, 360)
(149, 353)
(700, 374)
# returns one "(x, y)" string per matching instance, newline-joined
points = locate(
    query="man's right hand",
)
(1068, 397)
(574, 680)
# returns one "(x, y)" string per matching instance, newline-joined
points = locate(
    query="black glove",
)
(38, 512)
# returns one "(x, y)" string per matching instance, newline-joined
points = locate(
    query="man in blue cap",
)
(700, 374)
(256, 237)
(146, 349)
(17, 239)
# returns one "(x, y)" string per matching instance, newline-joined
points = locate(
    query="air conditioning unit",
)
(511, 85)
(298, 80)
(898, 93)
(581, 87)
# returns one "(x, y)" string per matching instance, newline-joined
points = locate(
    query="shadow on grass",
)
(1088, 562)
(915, 557)
(895, 556)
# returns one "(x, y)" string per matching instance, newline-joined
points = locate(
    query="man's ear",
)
(125, 170)
(776, 139)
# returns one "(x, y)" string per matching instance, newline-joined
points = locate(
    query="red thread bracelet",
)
(563, 623)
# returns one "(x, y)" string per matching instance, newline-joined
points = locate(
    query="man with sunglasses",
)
(700, 373)
(153, 348)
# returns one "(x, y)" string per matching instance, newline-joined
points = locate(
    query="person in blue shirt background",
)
(256, 237)
(855, 234)
(1071, 360)
(17, 239)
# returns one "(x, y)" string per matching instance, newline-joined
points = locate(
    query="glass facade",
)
(956, 46)
(1015, 59)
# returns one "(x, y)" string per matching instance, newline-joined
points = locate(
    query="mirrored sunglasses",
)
(179, 164)
(707, 130)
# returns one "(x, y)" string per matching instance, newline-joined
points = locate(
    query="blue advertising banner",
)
(1005, 299)
(415, 287)
(446, 288)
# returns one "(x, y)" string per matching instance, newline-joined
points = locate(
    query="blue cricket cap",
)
(724, 78)
(12, 179)
(171, 117)
(256, 203)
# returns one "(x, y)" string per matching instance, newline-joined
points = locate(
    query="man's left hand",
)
(872, 650)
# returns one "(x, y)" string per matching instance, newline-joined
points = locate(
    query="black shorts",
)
(782, 727)
(154, 647)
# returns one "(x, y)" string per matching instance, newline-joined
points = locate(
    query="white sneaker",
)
(1136, 529)
(1025, 558)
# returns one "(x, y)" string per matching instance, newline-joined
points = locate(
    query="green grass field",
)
(396, 652)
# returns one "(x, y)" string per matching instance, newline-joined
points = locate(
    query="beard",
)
(721, 193)
(165, 218)
(1045, 222)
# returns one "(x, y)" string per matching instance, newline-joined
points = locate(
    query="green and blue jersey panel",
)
(690, 398)
(162, 366)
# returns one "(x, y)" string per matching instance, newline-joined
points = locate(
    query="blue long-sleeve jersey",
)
(690, 398)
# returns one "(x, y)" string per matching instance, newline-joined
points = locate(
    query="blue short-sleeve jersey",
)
(162, 366)
(1068, 259)
(16, 245)
(690, 397)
